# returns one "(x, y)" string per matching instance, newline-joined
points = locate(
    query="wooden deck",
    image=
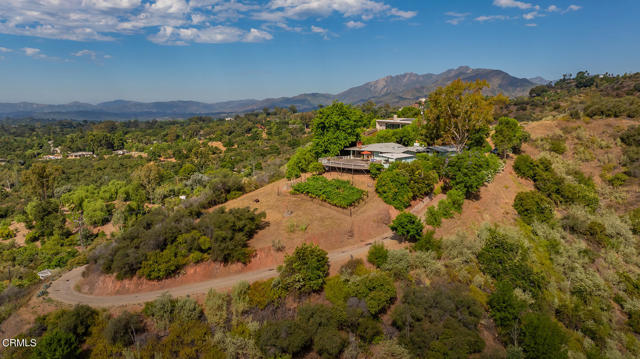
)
(345, 163)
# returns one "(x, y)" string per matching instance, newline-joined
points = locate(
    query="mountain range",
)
(397, 90)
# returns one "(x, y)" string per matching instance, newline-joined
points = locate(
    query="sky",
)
(59, 51)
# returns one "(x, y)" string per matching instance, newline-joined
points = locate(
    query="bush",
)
(166, 310)
(329, 343)
(375, 169)
(429, 243)
(378, 254)
(57, 344)
(398, 263)
(393, 187)
(542, 337)
(618, 180)
(336, 291)
(634, 218)
(557, 146)
(505, 308)
(337, 192)
(439, 322)
(305, 270)
(286, 337)
(433, 217)
(407, 226)
(468, 171)
(216, 307)
(376, 289)
(525, 167)
(122, 329)
(533, 206)
(6, 233)
(456, 199)
(505, 258)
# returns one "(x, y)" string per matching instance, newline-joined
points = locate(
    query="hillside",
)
(396, 90)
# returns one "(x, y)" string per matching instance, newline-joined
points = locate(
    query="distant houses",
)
(76, 155)
(393, 123)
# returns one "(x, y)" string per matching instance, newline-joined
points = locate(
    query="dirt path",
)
(64, 288)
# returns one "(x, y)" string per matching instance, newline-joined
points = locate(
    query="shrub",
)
(557, 146)
(634, 218)
(337, 192)
(123, 328)
(433, 217)
(336, 291)
(617, 180)
(445, 208)
(6, 233)
(57, 344)
(378, 254)
(263, 293)
(505, 307)
(329, 342)
(398, 263)
(354, 266)
(407, 226)
(305, 270)
(429, 243)
(533, 206)
(375, 169)
(542, 337)
(439, 322)
(504, 258)
(393, 187)
(216, 306)
(77, 321)
(285, 337)
(376, 289)
(468, 171)
(525, 167)
(456, 198)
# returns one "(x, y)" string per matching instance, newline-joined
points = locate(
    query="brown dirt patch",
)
(23, 318)
(217, 144)
(21, 232)
(494, 205)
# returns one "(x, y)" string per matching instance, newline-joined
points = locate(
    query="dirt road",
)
(63, 289)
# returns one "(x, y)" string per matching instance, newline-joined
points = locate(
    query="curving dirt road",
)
(63, 289)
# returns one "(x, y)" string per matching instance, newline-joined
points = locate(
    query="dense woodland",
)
(563, 281)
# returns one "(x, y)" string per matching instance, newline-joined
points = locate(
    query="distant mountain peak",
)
(397, 90)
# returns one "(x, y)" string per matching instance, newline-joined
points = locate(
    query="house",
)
(52, 157)
(394, 123)
(121, 152)
(444, 151)
(80, 155)
(384, 153)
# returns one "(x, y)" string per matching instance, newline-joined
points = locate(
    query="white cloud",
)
(491, 18)
(4, 49)
(107, 56)
(280, 10)
(512, 4)
(457, 17)
(531, 15)
(531, 25)
(553, 8)
(255, 35)
(179, 22)
(355, 24)
(219, 34)
(573, 8)
(30, 51)
(319, 30)
(87, 53)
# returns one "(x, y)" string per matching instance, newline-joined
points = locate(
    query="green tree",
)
(149, 176)
(505, 308)
(95, 212)
(305, 270)
(336, 127)
(41, 178)
(508, 136)
(408, 226)
(470, 170)
(457, 111)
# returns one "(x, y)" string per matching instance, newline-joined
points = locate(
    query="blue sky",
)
(57, 51)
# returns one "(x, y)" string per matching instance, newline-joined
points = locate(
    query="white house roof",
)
(395, 156)
(387, 147)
